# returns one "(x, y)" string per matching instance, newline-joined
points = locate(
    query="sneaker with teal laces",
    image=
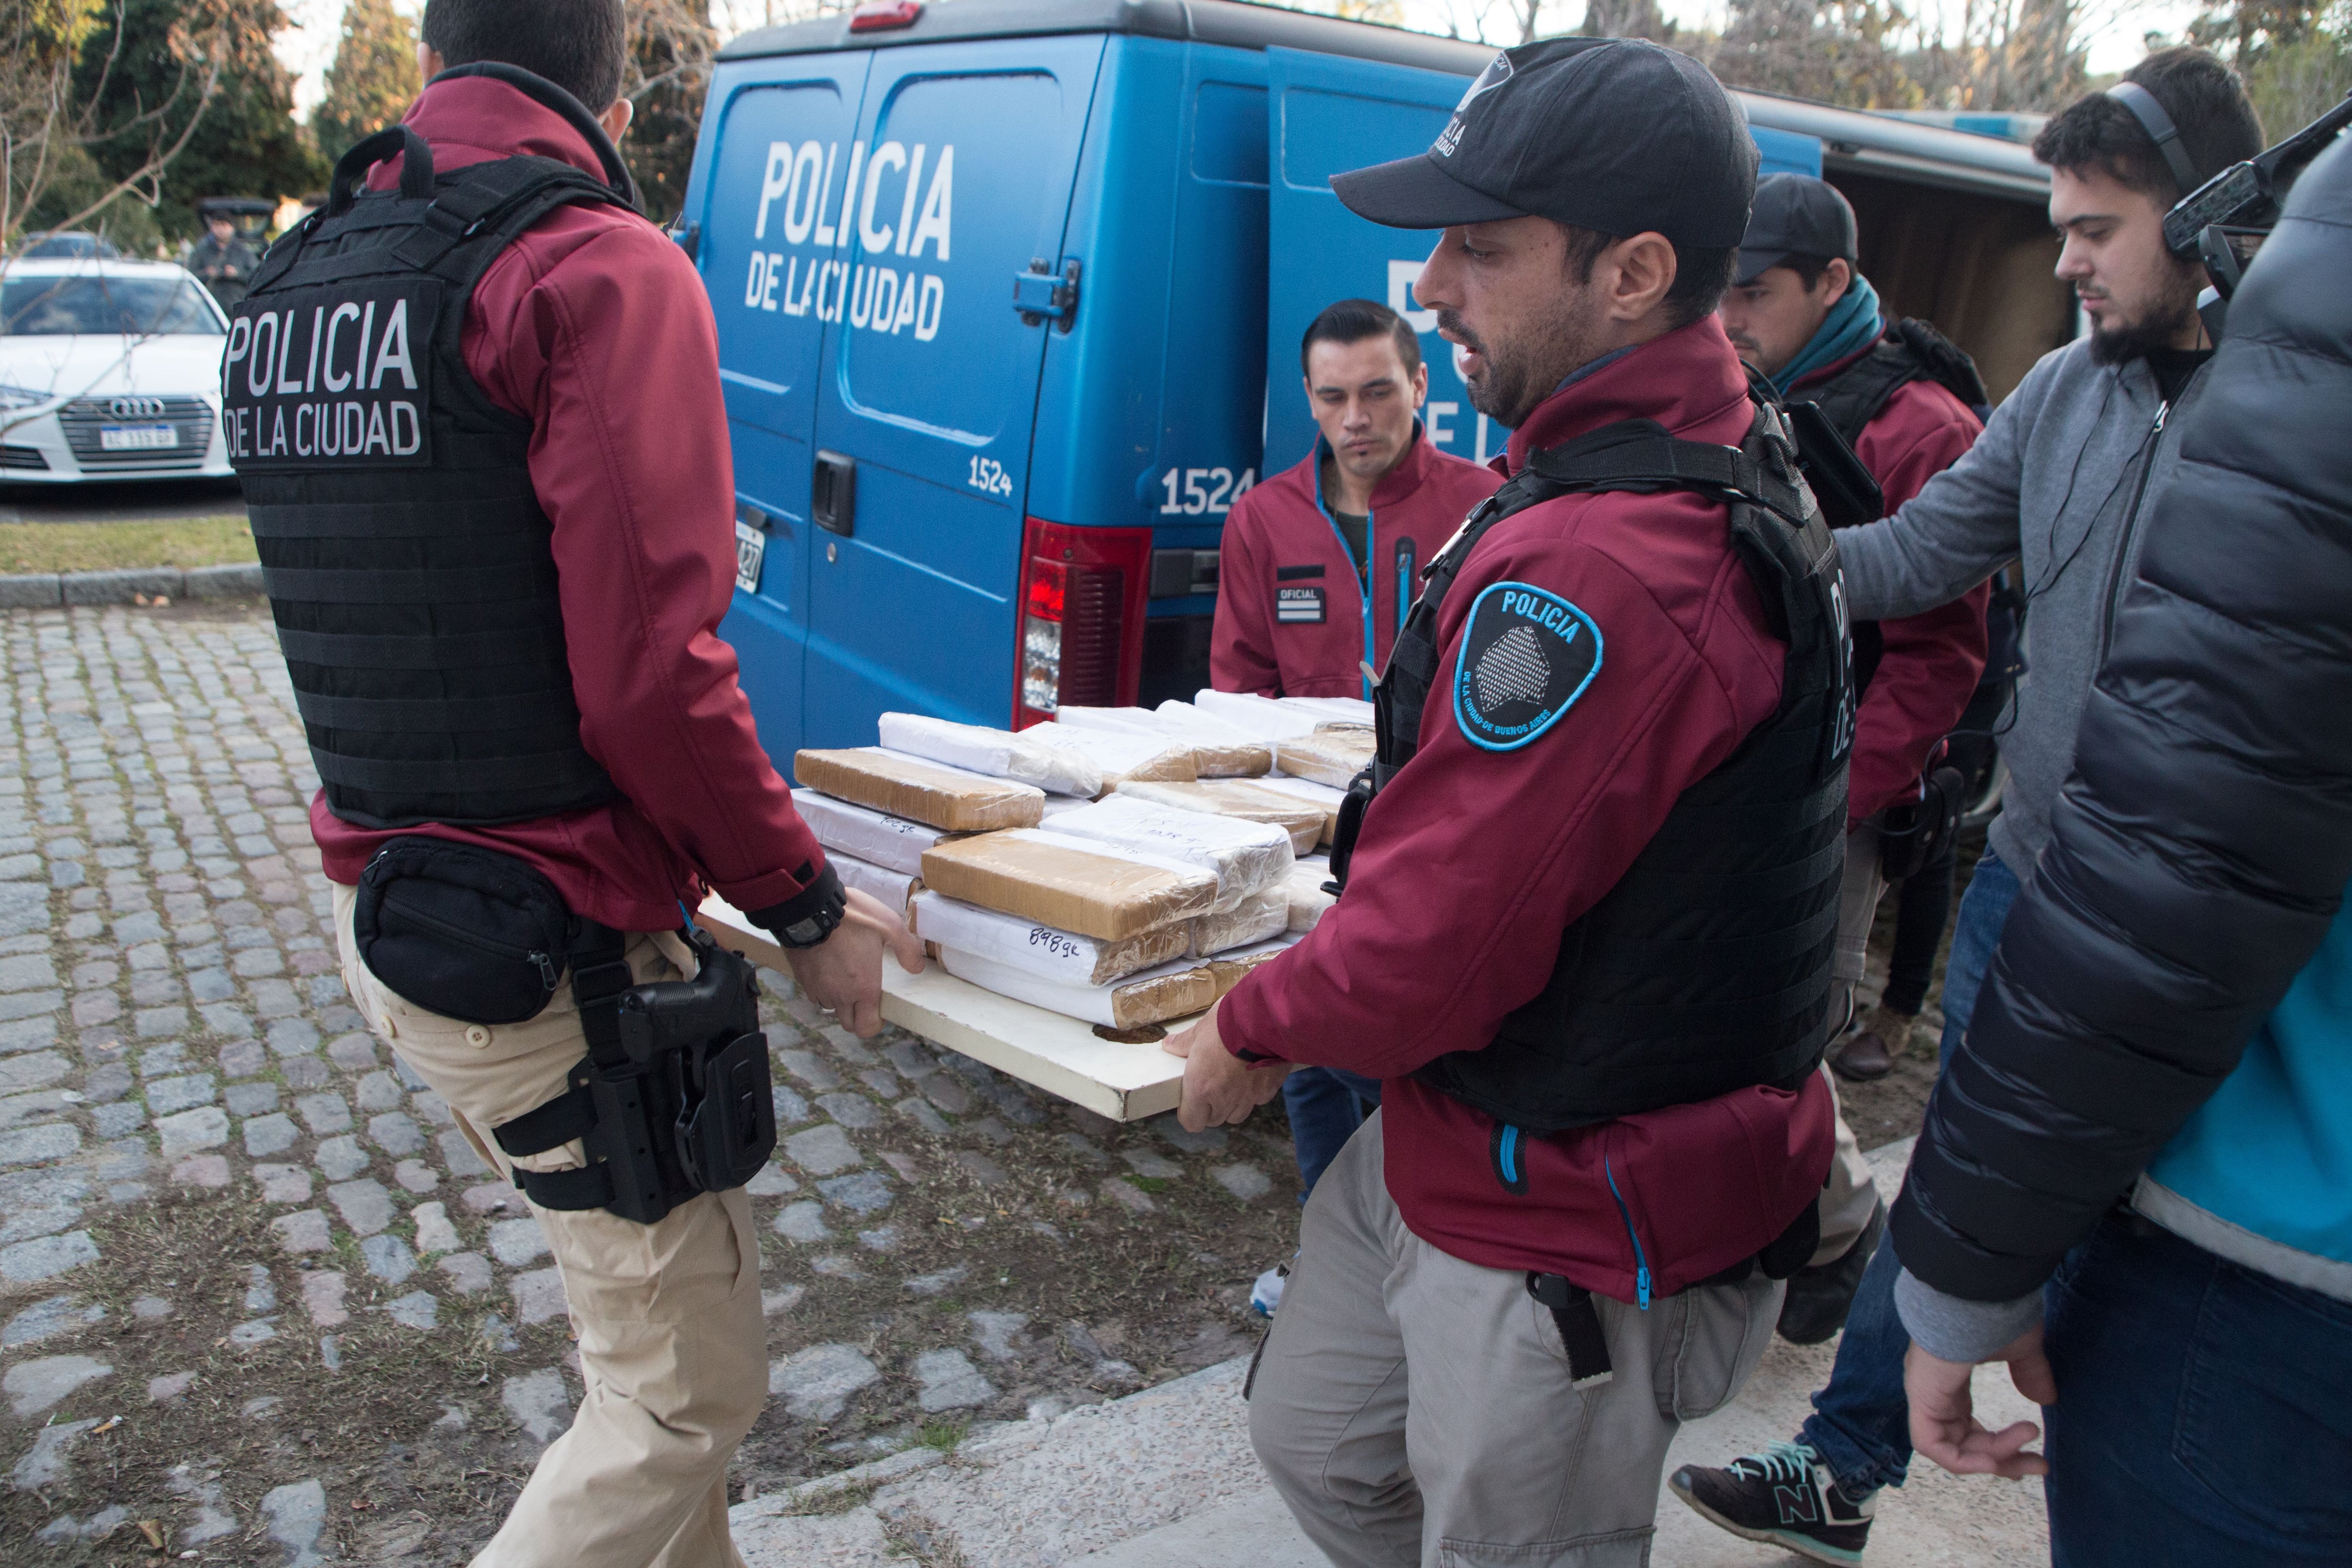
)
(1782, 1497)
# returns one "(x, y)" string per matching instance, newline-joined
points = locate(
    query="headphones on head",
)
(2160, 130)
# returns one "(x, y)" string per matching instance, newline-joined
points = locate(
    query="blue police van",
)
(1009, 294)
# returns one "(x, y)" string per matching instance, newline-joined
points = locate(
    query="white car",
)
(108, 370)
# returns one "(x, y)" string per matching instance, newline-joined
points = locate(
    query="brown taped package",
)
(1233, 967)
(1331, 757)
(1160, 997)
(1231, 759)
(943, 798)
(1121, 753)
(1233, 798)
(1256, 918)
(1220, 751)
(1304, 891)
(1069, 884)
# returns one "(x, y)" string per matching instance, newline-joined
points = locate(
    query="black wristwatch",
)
(809, 916)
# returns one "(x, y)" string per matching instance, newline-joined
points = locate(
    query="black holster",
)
(674, 1097)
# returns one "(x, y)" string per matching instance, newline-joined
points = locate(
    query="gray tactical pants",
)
(1415, 1409)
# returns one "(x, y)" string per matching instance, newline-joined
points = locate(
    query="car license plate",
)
(136, 437)
(750, 549)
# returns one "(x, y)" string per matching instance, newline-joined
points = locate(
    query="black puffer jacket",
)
(2203, 843)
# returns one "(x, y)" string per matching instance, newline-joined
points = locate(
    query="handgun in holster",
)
(674, 1097)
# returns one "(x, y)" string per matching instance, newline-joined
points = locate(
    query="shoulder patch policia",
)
(1526, 658)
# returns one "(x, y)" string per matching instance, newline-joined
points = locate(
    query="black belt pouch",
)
(466, 932)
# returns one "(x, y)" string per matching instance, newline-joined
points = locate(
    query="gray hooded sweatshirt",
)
(2062, 477)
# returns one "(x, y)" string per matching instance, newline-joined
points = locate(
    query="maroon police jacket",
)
(1291, 611)
(596, 327)
(1475, 859)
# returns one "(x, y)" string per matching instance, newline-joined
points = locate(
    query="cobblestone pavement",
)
(260, 1303)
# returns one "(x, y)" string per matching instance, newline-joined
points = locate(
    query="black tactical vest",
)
(1911, 351)
(1707, 968)
(405, 555)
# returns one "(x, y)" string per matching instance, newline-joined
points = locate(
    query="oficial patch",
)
(1294, 605)
(1526, 659)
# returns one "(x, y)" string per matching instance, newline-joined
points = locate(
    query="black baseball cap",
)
(1796, 215)
(1617, 135)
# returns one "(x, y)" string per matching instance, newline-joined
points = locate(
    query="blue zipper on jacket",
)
(1371, 533)
(1641, 1260)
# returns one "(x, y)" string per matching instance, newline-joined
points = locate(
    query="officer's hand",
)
(843, 973)
(1219, 1087)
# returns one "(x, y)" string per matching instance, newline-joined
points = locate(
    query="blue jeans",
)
(1325, 1105)
(1860, 1424)
(2204, 1413)
(1984, 909)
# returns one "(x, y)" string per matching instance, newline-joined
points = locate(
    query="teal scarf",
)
(1852, 326)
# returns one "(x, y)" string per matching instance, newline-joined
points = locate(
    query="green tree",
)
(1626, 19)
(667, 75)
(2293, 84)
(1840, 51)
(373, 79)
(2296, 56)
(241, 140)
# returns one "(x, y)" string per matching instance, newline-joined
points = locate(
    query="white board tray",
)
(1056, 1053)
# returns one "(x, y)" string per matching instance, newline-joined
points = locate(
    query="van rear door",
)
(780, 126)
(958, 176)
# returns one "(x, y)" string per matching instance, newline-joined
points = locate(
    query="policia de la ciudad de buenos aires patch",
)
(1526, 658)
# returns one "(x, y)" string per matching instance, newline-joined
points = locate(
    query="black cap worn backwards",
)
(1796, 215)
(1616, 135)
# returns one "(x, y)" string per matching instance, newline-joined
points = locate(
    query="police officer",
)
(478, 414)
(1317, 565)
(222, 260)
(1586, 930)
(1800, 311)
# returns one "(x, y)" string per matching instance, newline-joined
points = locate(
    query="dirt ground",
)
(421, 1452)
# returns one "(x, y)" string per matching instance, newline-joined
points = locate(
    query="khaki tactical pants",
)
(672, 1347)
(1415, 1409)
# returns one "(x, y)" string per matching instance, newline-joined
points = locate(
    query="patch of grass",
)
(373, 1433)
(109, 546)
(943, 1433)
(835, 1500)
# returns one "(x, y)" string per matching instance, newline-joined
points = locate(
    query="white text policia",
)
(880, 298)
(336, 426)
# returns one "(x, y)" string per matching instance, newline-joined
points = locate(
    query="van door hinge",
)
(1037, 293)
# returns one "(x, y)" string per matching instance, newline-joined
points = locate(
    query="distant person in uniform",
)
(1318, 564)
(1316, 570)
(223, 260)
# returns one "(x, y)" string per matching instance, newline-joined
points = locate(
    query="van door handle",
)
(833, 494)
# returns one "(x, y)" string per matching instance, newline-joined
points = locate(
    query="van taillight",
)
(1082, 598)
(881, 15)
